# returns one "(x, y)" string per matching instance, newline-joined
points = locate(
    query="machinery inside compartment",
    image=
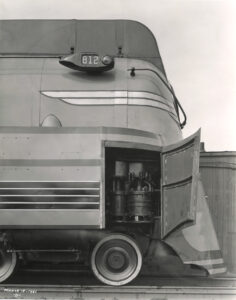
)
(132, 185)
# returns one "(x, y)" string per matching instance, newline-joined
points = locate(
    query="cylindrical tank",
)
(218, 172)
(118, 205)
(139, 205)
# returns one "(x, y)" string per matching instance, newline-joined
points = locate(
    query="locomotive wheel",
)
(7, 264)
(116, 260)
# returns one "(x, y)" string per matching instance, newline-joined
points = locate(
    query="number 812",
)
(90, 59)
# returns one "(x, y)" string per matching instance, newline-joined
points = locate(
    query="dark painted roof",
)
(58, 37)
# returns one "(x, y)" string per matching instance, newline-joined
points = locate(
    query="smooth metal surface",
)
(38, 74)
(54, 37)
(179, 188)
(53, 218)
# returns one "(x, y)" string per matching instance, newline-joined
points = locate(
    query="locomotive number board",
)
(90, 59)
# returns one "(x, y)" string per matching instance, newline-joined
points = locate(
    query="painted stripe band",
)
(50, 162)
(119, 101)
(205, 255)
(206, 261)
(47, 195)
(113, 98)
(37, 200)
(37, 192)
(47, 202)
(217, 271)
(75, 195)
(88, 185)
(50, 206)
(105, 94)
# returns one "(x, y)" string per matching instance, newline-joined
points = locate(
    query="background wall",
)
(218, 173)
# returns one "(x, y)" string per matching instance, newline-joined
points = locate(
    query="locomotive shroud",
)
(93, 166)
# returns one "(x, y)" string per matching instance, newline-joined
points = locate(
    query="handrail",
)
(170, 89)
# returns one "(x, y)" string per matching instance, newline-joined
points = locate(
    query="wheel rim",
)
(7, 264)
(116, 260)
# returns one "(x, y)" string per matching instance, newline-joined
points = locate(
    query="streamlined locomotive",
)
(93, 167)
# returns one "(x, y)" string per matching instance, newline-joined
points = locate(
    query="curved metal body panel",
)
(113, 99)
(118, 38)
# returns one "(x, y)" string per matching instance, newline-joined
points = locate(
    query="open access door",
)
(180, 169)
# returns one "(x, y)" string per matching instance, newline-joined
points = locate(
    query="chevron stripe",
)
(93, 98)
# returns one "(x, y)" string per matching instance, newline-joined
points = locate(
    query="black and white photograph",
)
(118, 149)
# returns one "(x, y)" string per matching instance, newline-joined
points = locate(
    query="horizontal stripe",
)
(206, 261)
(19, 198)
(50, 184)
(198, 256)
(130, 102)
(149, 95)
(217, 271)
(78, 101)
(49, 189)
(49, 193)
(113, 98)
(49, 206)
(51, 202)
(213, 254)
(106, 94)
(77, 130)
(214, 266)
(85, 94)
(119, 101)
(208, 254)
(33, 199)
(50, 162)
(150, 102)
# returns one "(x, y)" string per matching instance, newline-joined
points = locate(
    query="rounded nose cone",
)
(51, 121)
